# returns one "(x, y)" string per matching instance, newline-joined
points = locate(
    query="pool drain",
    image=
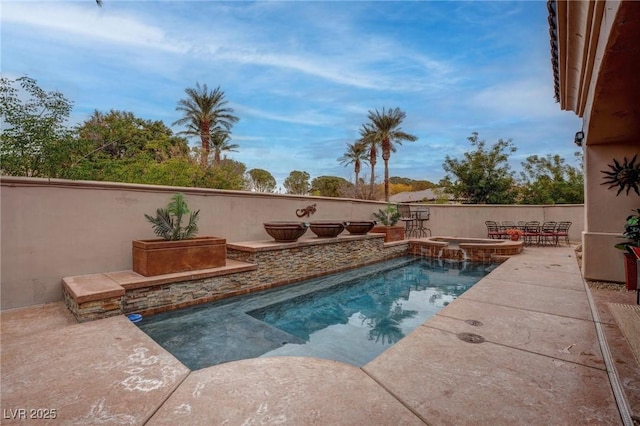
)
(474, 323)
(470, 337)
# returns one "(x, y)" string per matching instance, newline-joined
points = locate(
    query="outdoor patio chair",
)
(548, 233)
(410, 223)
(562, 231)
(493, 230)
(421, 215)
(521, 224)
(531, 232)
(508, 224)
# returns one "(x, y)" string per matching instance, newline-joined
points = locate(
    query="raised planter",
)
(285, 232)
(327, 229)
(159, 257)
(360, 227)
(631, 271)
(391, 233)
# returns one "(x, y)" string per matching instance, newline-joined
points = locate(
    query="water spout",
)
(464, 255)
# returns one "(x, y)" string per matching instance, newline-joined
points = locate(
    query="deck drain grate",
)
(470, 337)
(474, 323)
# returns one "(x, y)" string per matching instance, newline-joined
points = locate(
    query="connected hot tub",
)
(461, 248)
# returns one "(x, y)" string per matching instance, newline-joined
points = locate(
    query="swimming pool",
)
(350, 317)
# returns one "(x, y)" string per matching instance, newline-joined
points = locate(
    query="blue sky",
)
(302, 75)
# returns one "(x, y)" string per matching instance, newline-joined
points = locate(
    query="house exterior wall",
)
(598, 70)
(51, 229)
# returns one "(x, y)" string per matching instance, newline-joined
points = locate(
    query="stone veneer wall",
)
(149, 300)
(287, 265)
(96, 309)
(276, 265)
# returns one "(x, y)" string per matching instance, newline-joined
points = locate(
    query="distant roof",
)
(417, 196)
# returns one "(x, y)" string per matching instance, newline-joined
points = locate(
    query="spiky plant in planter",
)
(179, 250)
(389, 216)
(168, 222)
(632, 247)
(631, 231)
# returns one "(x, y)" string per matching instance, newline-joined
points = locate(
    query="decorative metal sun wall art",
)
(625, 175)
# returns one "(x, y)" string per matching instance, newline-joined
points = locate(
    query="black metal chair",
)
(410, 223)
(562, 231)
(531, 232)
(548, 233)
(422, 215)
(493, 230)
(508, 224)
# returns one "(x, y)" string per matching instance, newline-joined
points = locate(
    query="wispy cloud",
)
(303, 75)
(86, 23)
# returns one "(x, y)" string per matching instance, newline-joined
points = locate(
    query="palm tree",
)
(220, 141)
(386, 127)
(203, 110)
(356, 154)
(369, 139)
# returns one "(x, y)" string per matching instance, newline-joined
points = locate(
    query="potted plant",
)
(388, 219)
(631, 248)
(178, 250)
(514, 233)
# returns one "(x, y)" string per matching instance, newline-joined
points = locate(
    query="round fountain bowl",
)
(360, 227)
(327, 229)
(285, 232)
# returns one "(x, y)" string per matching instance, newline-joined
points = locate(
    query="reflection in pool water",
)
(351, 317)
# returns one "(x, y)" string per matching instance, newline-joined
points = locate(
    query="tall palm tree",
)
(220, 141)
(202, 110)
(387, 130)
(356, 154)
(370, 140)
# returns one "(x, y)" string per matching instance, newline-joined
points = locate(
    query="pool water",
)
(350, 317)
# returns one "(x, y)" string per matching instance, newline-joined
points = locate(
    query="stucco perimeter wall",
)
(606, 213)
(52, 229)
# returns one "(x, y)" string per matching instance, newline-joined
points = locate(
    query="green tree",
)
(372, 144)
(120, 134)
(221, 142)
(483, 176)
(297, 183)
(329, 186)
(34, 140)
(549, 180)
(384, 128)
(228, 174)
(261, 180)
(120, 147)
(356, 154)
(202, 110)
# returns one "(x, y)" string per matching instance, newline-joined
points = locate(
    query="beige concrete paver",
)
(556, 336)
(448, 381)
(23, 322)
(558, 301)
(282, 390)
(541, 277)
(101, 372)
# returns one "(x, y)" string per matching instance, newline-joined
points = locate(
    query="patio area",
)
(539, 362)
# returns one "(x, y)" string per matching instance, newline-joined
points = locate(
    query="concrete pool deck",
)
(540, 363)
